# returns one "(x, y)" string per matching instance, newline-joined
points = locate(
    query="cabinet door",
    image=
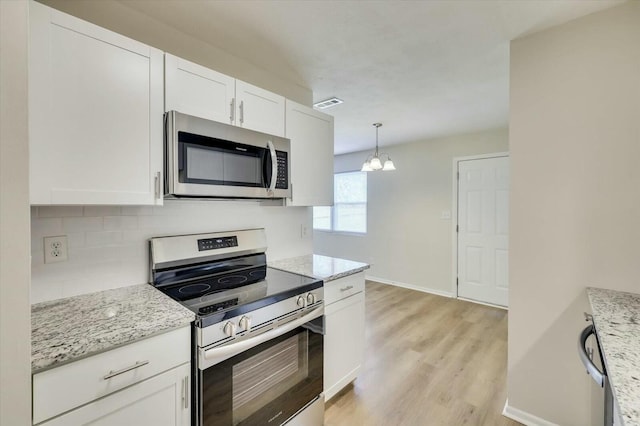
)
(258, 109)
(195, 90)
(95, 114)
(311, 134)
(343, 343)
(163, 400)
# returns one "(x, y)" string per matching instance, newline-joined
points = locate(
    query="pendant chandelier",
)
(374, 162)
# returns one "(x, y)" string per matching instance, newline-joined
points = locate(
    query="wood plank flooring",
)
(429, 360)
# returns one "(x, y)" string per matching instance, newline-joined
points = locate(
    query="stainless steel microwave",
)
(205, 158)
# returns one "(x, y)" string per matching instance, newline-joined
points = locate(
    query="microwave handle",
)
(274, 167)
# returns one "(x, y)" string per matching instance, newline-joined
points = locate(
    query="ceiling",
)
(423, 68)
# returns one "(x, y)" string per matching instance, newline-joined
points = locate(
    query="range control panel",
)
(217, 243)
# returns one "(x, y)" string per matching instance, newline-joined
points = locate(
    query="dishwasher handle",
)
(596, 374)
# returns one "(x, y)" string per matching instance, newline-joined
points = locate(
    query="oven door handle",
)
(215, 355)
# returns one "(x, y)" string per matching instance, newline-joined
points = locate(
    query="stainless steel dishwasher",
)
(600, 377)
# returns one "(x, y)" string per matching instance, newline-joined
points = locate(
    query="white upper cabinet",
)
(195, 90)
(258, 109)
(311, 134)
(95, 114)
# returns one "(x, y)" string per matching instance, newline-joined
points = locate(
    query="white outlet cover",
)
(445, 214)
(55, 249)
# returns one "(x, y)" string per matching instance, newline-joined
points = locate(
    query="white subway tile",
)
(103, 238)
(160, 222)
(46, 227)
(76, 239)
(133, 251)
(94, 211)
(43, 289)
(92, 255)
(136, 210)
(59, 211)
(117, 223)
(82, 224)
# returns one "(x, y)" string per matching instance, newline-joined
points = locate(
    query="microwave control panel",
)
(282, 181)
(217, 243)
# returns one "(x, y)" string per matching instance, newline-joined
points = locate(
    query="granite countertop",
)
(66, 330)
(321, 267)
(616, 316)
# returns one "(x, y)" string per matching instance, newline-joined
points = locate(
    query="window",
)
(349, 211)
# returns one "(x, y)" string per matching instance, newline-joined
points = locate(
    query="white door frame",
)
(454, 215)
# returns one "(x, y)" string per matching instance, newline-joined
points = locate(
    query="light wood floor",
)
(429, 360)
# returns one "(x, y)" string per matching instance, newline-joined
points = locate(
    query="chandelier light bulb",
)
(375, 163)
(388, 165)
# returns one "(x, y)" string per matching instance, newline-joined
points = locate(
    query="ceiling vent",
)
(328, 103)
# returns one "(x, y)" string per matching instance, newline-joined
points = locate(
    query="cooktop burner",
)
(191, 289)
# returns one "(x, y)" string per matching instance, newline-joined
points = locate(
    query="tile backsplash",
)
(108, 244)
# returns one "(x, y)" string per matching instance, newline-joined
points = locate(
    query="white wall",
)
(15, 322)
(575, 201)
(116, 16)
(407, 243)
(108, 245)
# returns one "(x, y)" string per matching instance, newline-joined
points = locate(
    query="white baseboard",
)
(524, 417)
(410, 286)
(484, 303)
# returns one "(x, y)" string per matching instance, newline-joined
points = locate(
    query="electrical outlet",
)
(55, 249)
(304, 231)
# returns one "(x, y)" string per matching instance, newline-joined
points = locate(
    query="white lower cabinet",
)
(162, 400)
(344, 332)
(146, 382)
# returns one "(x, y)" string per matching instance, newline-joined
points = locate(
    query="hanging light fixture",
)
(374, 162)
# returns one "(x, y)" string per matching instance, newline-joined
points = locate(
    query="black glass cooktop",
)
(235, 291)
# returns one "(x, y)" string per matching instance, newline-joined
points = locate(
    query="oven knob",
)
(301, 301)
(311, 298)
(245, 323)
(229, 329)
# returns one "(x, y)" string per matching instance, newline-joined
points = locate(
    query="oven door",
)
(266, 384)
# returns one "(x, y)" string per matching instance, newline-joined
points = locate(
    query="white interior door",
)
(483, 224)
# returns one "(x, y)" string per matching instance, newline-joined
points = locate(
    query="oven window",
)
(267, 375)
(264, 385)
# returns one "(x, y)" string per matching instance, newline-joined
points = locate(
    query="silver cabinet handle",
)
(124, 370)
(349, 287)
(157, 185)
(241, 112)
(233, 110)
(185, 392)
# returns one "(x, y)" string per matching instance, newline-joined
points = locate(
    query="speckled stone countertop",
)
(616, 316)
(321, 267)
(66, 330)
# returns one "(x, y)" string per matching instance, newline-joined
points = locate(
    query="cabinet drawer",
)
(159, 401)
(343, 287)
(68, 386)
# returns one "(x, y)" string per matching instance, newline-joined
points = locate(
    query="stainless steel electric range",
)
(258, 335)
